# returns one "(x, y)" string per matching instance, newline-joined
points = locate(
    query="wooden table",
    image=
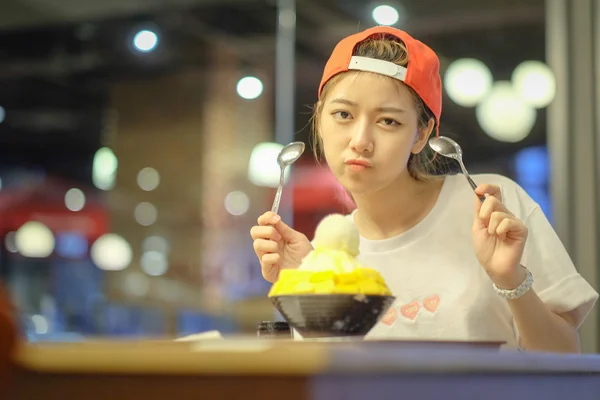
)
(261, 369)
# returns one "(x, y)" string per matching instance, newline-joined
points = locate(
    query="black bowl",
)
(332, 315)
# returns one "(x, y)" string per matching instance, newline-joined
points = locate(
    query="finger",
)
(270, 259)
(490, 205)
(477, 224)
(492, 190)
(487, 208)
(270, 273)
(478, 203)
(268, 218)
(265, 232)
(262, 246)
(508, 226)
(285, 231)
(495, 219)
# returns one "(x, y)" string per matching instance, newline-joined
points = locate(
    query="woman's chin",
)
(358, 188)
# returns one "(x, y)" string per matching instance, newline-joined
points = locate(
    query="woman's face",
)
(369, 128)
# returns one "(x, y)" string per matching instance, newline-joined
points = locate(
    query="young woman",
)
(460, 269)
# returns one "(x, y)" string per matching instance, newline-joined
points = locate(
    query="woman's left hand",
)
(498, 238)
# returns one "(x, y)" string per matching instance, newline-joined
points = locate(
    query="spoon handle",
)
(466, 174)
(474, 186)
(277, 200)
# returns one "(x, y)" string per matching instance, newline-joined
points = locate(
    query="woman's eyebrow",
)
(380, 109)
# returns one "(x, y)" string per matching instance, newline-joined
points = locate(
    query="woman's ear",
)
(422, 136)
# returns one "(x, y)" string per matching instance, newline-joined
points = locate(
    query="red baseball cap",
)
(421, 74)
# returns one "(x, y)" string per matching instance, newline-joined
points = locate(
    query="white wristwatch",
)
(512, 294)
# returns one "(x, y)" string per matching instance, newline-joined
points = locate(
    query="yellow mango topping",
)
(360, 281)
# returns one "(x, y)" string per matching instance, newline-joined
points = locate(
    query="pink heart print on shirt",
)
(410, 310)
(390, 316)
(431, 303)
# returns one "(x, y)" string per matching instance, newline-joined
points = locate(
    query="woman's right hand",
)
(278, 246)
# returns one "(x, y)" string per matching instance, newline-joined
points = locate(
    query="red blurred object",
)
(8, 341)
(317, 190)
(316, 194)
(46, 203)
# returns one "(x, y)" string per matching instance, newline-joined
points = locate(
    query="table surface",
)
(252, 356)
(260, 369)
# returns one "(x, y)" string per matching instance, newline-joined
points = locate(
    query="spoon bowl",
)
(446, 147)
(288, 155)
(449, 148)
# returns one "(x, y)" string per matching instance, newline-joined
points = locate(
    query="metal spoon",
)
(287, 156)
(449, 148)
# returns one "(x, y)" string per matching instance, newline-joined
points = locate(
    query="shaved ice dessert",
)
(332, 267)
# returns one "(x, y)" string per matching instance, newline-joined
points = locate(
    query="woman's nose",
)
(362, 138)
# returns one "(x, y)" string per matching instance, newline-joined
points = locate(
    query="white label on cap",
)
(378, 66)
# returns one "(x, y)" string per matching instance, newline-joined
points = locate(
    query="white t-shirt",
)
(443, 293)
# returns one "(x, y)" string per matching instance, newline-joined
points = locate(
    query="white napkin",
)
(201, 336)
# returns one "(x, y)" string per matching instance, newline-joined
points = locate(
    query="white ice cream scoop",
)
(337, 232)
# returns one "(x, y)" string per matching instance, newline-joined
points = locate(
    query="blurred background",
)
(138, 141)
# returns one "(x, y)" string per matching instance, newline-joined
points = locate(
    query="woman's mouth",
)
(358, 165)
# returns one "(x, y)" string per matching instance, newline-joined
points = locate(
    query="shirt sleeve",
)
(556, 280)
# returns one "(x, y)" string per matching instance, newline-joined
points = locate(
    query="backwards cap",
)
(421, 74)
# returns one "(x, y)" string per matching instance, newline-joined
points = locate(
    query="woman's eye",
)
(342, 114)
(390, 122)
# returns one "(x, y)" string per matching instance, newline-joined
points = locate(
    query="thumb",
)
(477, 222)
(286, 232)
